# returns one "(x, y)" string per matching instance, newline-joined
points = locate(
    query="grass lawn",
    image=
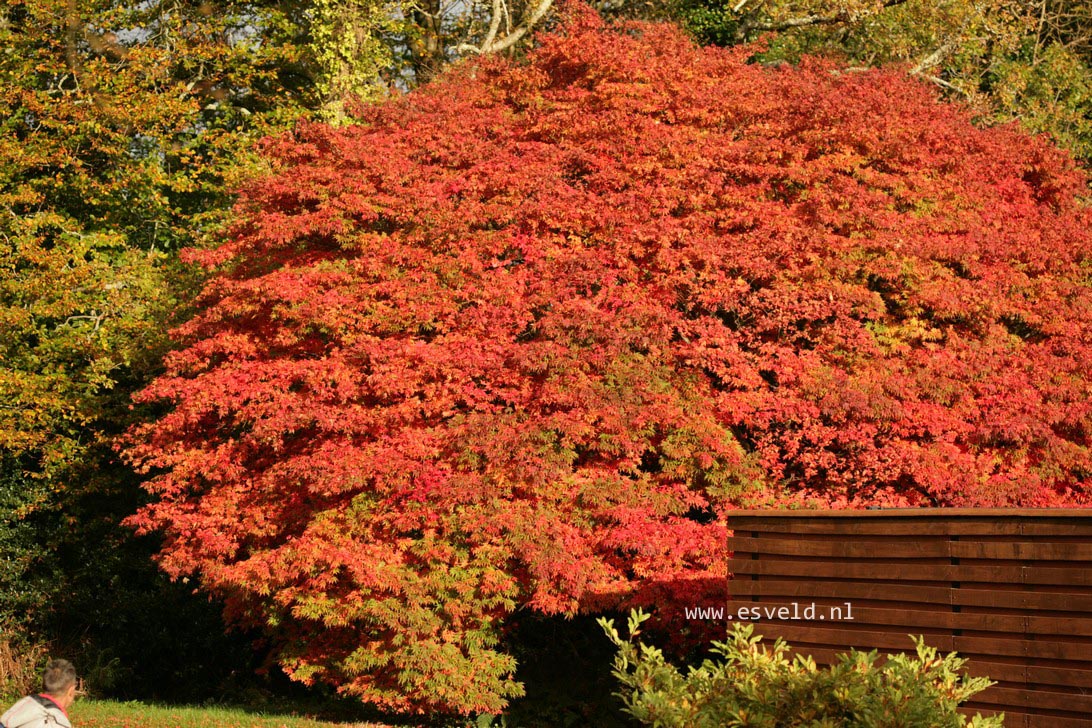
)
(106, 714)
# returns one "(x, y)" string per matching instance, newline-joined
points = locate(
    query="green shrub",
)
(750, 685)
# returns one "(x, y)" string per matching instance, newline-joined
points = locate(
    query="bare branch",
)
(809, 20)
(491, 46)
(523, 28)
(94, 316)
(944, 84)
(494, 24)
(800, 22)
(72, 31)
(933, 58)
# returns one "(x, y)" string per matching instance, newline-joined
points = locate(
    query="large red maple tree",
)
(520, 338)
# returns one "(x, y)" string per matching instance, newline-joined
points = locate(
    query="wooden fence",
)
(1009, 589)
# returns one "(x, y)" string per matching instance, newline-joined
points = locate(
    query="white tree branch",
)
(494, 24)
(491, 45)
(809, 20)
(933, 58)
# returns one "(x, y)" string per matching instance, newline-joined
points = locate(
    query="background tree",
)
(1008, 59)
(124, 130)
(362, 49)
(519, 338)
(439, 31)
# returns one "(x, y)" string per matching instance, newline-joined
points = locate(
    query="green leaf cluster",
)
(748, 684)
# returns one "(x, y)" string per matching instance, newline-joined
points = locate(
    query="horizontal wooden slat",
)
(1041, 551)
(1048, 721)
(913, 548)
(1010, 599)
(1041, 649)
(871, 527)
(745, 589)
(844, 638)
(911, 527)
(1062, 576)
(1076, 677)
(865, 638)
(903, 549)
(1022, 698)
(1003, 672)
(1023, 673)
(948, 514)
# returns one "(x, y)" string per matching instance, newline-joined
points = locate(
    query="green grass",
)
(106, 714)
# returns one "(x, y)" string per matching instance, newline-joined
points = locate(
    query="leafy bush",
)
(18, 666)
(758, 687)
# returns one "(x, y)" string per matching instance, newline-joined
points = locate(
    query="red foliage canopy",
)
(522, 336)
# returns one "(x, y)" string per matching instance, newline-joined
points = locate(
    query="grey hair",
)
(59, 676)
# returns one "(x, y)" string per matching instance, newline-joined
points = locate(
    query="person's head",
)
(59, 681)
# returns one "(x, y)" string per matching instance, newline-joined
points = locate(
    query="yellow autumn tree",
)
(1008, 59)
